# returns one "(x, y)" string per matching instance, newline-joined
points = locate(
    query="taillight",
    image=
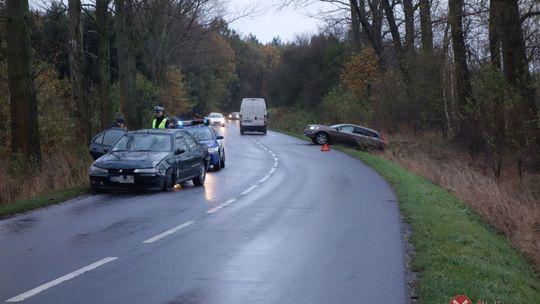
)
(385, 141)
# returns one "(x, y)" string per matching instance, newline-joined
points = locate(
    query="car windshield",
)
(201, 134)
(215, 115)
(144, 142)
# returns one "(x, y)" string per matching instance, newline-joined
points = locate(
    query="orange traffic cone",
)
(325, 148)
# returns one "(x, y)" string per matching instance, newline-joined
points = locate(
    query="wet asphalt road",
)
(282, 223)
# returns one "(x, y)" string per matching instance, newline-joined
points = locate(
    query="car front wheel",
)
(199, 180)
(168, 183)
(321, 138)
(222, 160)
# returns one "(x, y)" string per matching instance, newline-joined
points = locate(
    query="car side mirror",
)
(106, 149)
(219, 137)
(179, 151)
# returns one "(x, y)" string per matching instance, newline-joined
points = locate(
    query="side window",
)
(190, 142)
(179, 142)
(347, 129)
(99, 138)
(110, 137)
(373, 134)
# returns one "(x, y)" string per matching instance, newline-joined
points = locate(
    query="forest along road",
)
(282, 223)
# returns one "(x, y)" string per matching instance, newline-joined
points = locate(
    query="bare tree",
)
(103, 61)
(77, 73)
(22, 96)
(426, 26)
(126, 62)
(461, 71)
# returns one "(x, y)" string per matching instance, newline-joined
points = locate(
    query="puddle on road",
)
(114, 231)
(20, 225)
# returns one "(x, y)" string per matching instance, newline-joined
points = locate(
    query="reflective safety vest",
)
(162, 124)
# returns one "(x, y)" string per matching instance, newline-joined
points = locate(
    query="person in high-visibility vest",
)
(160, 121)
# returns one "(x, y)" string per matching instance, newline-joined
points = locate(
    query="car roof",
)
(155, 131)
(357, 126)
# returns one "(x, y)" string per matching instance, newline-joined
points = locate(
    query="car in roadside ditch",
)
(347, 134)
(216, 119)
(153, 159)
(210, 137)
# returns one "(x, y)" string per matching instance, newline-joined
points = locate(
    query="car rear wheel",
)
(321, 138)
(199, 180)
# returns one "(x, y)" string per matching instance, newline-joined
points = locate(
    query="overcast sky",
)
(268, 20)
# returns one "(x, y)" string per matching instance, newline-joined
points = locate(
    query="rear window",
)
(110, 137)
(201, 134)
(144, 143)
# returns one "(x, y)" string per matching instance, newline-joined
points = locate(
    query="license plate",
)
(123, 179)
(247, 120)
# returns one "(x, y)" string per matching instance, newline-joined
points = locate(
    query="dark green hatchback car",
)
(154, 159)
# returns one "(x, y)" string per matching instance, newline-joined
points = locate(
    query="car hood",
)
(209, 143)
(130, 160)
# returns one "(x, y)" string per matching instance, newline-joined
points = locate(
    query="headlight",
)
(94, 169)
(313, 128)
(145, 170)
(213, 150)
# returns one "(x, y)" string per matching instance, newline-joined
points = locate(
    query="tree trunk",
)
(516, 69)
(103, 61)
(22, 96)
(355, 29)
(394, 30)
(494, 32)
(76, 71)
(498, 104)
(378, 17)
(408, 10)
(425, 26)
(126, 64)
(358, 6)
(461, 73)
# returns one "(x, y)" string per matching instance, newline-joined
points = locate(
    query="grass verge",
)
(456, 252)
(51, 198)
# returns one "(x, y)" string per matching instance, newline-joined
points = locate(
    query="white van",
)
(253, 115)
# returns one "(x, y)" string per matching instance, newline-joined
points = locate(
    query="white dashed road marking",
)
(60, 280)
(168, 232)
(248, 190)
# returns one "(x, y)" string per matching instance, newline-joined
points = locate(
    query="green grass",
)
(48, 199)
(456, 252)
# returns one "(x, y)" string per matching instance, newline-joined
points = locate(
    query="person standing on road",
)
(160, 121)
(118, 123)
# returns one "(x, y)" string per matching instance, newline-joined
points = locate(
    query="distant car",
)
(347, 134)
(234, 116)
(216, 119)
(214, 141)
(104, 140)
(154, 159)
